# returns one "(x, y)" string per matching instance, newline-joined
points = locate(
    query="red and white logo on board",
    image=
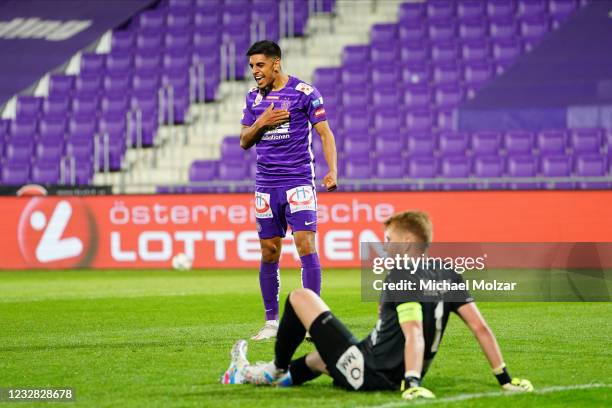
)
(55, 233)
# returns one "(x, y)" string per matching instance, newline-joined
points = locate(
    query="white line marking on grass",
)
(465, 397)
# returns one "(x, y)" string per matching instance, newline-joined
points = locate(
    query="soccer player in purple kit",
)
(276, 119)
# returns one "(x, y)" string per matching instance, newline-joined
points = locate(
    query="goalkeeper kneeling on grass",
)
(400, 349)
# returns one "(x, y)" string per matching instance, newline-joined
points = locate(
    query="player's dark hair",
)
(416, 222)
(265, 47)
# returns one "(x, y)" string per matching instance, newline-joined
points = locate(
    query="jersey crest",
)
(302, 87)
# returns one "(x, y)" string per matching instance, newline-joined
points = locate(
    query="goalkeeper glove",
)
(511, 384)
(411, 389)
(518, 384)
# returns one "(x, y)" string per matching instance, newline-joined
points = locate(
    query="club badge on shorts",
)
(262, 205)
(301, 199)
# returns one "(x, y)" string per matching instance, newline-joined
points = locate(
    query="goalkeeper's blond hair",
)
(415, 222)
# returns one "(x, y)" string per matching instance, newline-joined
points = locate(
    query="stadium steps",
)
(213, 121)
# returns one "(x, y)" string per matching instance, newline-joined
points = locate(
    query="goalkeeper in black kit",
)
(396, 354)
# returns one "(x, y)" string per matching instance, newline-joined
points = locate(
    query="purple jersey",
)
(284, 154)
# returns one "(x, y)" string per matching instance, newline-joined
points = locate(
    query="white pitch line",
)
(465, 397)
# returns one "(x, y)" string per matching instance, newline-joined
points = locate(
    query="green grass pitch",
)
(162, 339)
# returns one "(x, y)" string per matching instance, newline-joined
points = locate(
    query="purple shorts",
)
(276, 207)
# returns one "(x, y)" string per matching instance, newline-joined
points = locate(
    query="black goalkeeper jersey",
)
(384, 346)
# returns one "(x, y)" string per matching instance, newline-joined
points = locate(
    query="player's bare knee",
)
(305, 243)
(270, 252)
(301, 296)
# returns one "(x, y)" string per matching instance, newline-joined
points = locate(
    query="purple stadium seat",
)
(500, 8)
(92, 63)
(528, 8)
(118, 61)
(534, 28)
(413, 51)
(60, 84)
(357, 148)
(383, 33)
(355, 121)
(145, 101)
(412, 11)
(15, 173)
(522, 166)
(440, 9)
(485, 143)
(557, 166)
(113, 124)
(81, 148)
(444, 51)
(447, 73)
(355, 55)
(51, 127)
(385, 99)
(389, 143)
(591, 165)
(180, 5)
(178, 39)
(387, 120)
(470, 9)
(385, 75)
(151, 19)
(19, 149)
(390, 169)
(384, 53)
(49, 150)
(355, 75)
(149, 39)
(475, 50)
(503, 28)
(147, 60)
(85, 104)
(326, 77)
(23, 128)
(145, 131)
(122, 40)
(442, 30)
(176, 61)
(488, 167)
(56, 105)
(179, 18)
(416, 73)
(203, 170)
(560, 9)
(110, 155)
(412, 31)
(82, 126)
(518, 142)
(355, 99)
(207, 16)
(473, 29)
(446, 119)
(455, 167)
(552, 141)
(231, 151)
(507, 50)
(419, 119)
(87, 83)
(422, 167)
(83, 171)
(28, 107)
(360, 169)
(146, 81)
(448, 95)
(420, 144)
(45, 173)
(477, 73)
(586, 140)
(453, 143)
(233, 171)
(116, 83)
(417, 96)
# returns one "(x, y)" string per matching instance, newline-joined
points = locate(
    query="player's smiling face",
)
(264, 69)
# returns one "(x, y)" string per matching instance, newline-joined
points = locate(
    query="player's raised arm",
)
(330, 181)
(269, 118)
(488, 343)
(410, 317)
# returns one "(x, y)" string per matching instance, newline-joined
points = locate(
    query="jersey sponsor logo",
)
(317, 102)
(301, 199)
(273, 97)
(302, 87)
(262, 205)
(351, 366)
(319, 112)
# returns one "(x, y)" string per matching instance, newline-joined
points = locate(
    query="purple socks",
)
(269, 282)
(311, 272)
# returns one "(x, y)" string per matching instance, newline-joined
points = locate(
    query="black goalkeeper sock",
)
(300, 372)
(290, 334)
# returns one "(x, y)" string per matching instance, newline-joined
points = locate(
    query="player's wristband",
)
(502, 375)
